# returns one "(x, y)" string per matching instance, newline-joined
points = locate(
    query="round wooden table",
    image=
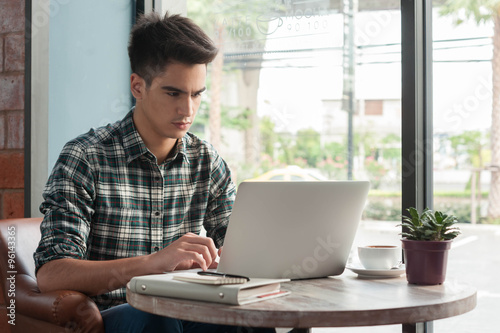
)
(330, 302)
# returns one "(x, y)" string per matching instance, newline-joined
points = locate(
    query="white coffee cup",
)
(379, 256)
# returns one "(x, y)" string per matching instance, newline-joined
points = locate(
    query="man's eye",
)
(172, 93)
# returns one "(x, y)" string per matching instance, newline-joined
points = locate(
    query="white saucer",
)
(378, 273)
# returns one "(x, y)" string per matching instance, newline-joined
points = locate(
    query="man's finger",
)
(204, 241)
(200, 250)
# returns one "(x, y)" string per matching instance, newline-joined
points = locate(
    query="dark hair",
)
(156, 41)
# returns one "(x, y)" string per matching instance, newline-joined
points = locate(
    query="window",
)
(313, 85)
(298, 79)
(463, 151)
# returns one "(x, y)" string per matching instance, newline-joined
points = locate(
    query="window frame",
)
(416, 104)
(416, 113)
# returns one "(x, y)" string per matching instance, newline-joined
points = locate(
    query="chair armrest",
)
(66, 308)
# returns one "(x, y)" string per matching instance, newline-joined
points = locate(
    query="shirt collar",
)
(180, 148)
(132, 141)
(135, 147)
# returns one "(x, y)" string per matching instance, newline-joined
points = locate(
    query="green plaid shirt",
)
(107, 198)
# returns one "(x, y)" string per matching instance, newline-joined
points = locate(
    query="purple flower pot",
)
(425, 261)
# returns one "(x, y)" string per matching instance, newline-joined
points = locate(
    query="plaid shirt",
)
(107, 198)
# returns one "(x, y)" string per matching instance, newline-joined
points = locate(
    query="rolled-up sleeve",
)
(67, 208)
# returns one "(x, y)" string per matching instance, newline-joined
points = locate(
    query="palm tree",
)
(215, 96)
(200, 13)
(210, 14)
(486, 11)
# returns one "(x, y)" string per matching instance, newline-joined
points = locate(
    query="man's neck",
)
(162, 148)
(163, 151)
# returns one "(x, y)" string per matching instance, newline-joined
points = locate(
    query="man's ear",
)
(137, 86)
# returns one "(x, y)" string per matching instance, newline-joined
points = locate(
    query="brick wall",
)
(12, 45)
(12, 23)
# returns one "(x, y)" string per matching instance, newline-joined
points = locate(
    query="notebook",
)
(294, 230)
(167, 285)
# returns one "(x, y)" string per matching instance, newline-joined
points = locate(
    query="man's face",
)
(168, 107)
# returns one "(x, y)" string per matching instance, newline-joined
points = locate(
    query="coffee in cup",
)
(379, 256)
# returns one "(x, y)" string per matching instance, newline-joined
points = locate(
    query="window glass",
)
(464, 182)
(291, 78)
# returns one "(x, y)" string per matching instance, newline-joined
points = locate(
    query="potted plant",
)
(426, 240)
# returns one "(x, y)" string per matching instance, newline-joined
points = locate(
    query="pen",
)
(223, 275)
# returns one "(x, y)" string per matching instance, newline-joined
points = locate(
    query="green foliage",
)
(333, 161)
(375, 171)
(479, 10)
(232, 19)
(267, 163)
(367, 140)
(471, 144)
(392, 147)
(493, 221)
(386, 205)
(234, 117)
(429, 225)
(457, 194)
(461, 208)
(286, 152)
(308, 146)
(305, 149)
(268, 136)
(335, 168)
(379, 210)
(374, 193)
(336, 151)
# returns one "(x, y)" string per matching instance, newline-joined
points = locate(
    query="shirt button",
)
(157, 214)
(157, 249)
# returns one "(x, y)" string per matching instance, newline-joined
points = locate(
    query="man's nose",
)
(186, 107)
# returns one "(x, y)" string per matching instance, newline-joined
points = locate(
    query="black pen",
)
(223, 275)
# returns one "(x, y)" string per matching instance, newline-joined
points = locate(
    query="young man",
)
(130, 198)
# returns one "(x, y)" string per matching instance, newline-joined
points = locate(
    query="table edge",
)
(241, 316)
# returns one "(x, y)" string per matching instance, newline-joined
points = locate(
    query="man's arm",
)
(98, 277)
(69, 201)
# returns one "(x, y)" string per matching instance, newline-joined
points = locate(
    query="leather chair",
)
(57, 311)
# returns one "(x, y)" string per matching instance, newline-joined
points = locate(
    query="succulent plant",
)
(429, 225)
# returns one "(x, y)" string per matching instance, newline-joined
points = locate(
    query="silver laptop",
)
(294, 230)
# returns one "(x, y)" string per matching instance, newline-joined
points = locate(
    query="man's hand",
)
(189, 251)
(97, 277)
